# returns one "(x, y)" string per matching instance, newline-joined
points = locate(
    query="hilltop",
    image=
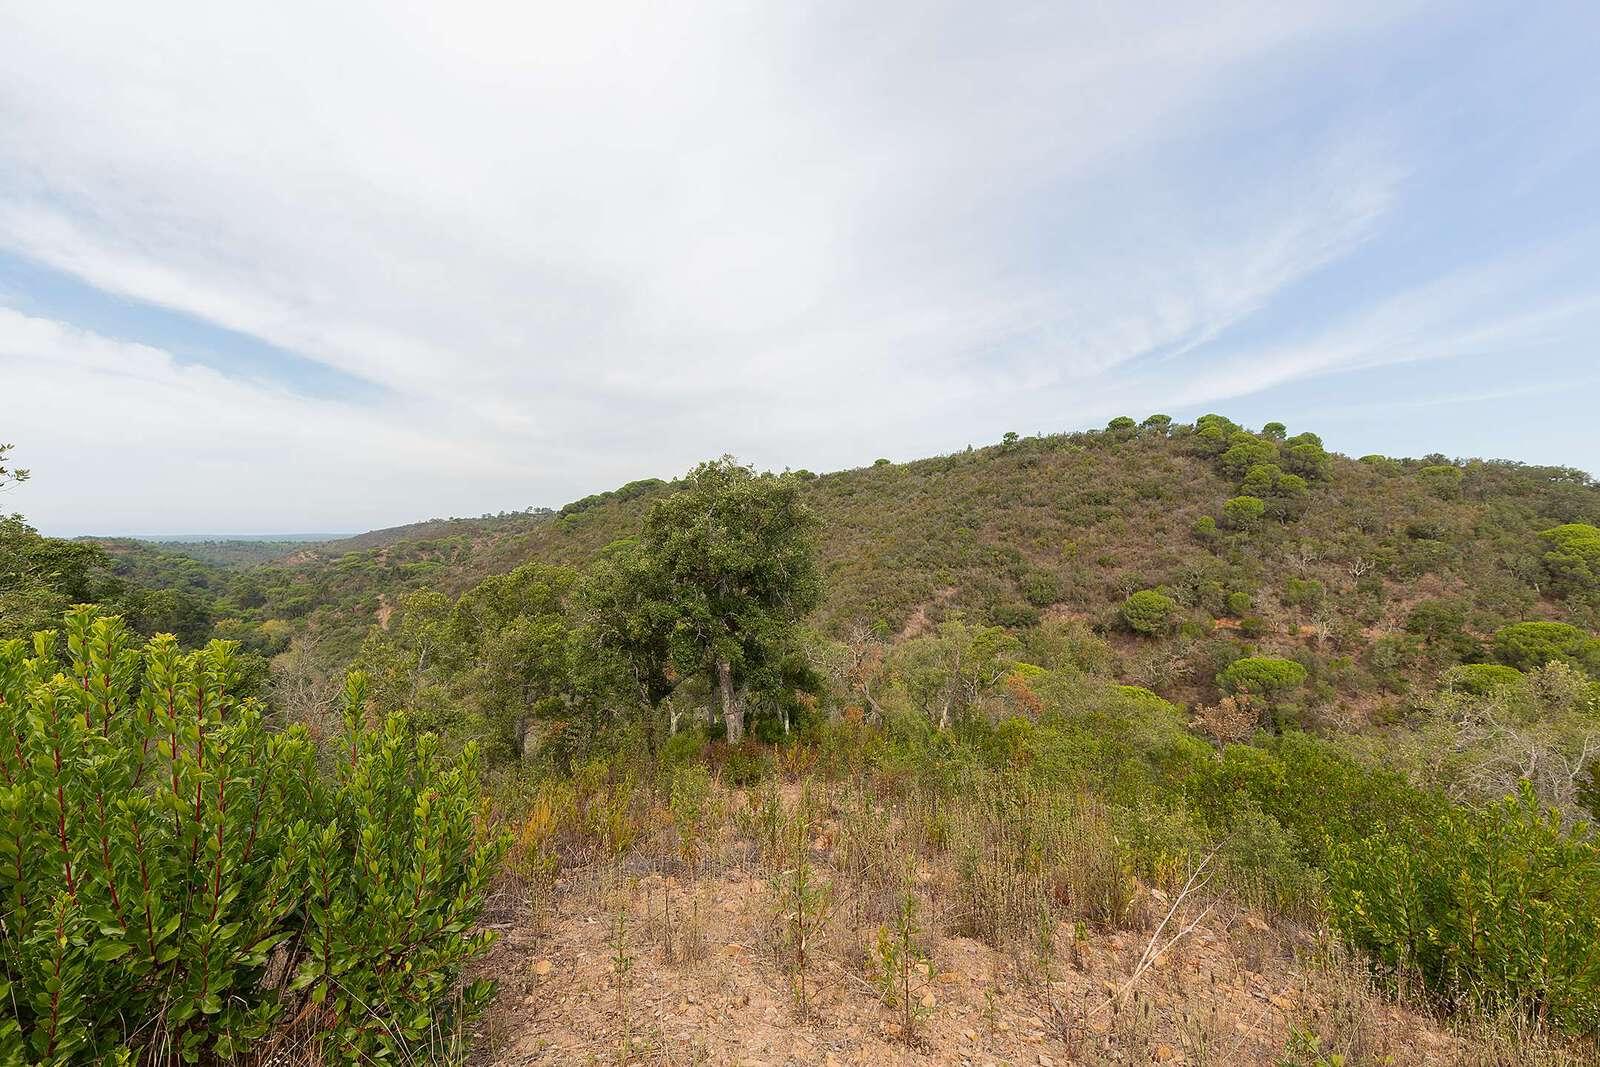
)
(1383, 570)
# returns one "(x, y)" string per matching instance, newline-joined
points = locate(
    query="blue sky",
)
(313, 268)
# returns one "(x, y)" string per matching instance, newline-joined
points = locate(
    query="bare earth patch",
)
(1230, 993)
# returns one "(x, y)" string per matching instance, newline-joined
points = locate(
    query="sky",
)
(329, 267)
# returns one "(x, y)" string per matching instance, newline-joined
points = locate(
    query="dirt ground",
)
(709, 982)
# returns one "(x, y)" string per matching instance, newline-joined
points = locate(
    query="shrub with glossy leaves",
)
(1500, 907)
(179, 879)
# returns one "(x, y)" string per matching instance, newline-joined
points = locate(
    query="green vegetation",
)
(1039, 670)
(162, 847)
(1525, 645)
(1149, 612)
(1264, 675)
(1495, 906)
(1573, 558)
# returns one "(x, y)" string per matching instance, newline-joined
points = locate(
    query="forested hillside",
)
(1043, 710)
(1377, 572)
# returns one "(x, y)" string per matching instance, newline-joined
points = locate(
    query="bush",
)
(1041, 588)
(1261, 479)
(1253, 626)
(1499, 907)
(1240, 603)
(1443, 480)
(170, 861)
(1262, 675)
(741, 766)
(1149, 612)
(1303, 593)
(1574, 556)
(1526, 645)
(1244, 512)
(1246, 450)
(1481, 679)
(1015, 616)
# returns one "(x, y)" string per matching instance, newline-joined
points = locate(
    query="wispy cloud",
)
(573, 245)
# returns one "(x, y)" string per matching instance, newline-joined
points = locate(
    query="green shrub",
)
(1303, 593)
(1261, 479)
(1526, 645)
(177, 877)
(1149, 612)
(1442, 479)
(1253, 626)
(1442, 625)
(1261, 675)
(1481, 679)
(1305, 456)
(1041, 588)
(1261, 862)
(1500, 907)
(1244, 512)
(1240, 603)
(742, 765)
(1246, 450)
(1015, 616)
(1574, 556)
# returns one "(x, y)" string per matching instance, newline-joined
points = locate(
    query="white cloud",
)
(583, 243)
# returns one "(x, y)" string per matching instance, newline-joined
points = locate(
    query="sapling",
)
(805, 900)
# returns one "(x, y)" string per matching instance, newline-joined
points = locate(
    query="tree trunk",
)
(732, 713)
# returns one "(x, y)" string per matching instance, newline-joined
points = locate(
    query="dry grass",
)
(1029, 936)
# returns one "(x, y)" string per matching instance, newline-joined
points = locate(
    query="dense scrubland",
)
(1134, 687)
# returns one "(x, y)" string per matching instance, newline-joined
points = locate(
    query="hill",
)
(1381, 572)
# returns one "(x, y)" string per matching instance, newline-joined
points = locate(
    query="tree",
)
(40, 577)
(1274, 431)
(732, 552)
(1261, 479)
(1261, 675)
(949, 671)
(1149, 612)
(12, 474)
(1442, 479)
(520, 659)
(1244, 512)
(1246, 450)
(1480, 679)
(1122, 427)
(1305, 456)
(1157, 424)
(629, 618)
(1574, 556)
(1526, 645)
